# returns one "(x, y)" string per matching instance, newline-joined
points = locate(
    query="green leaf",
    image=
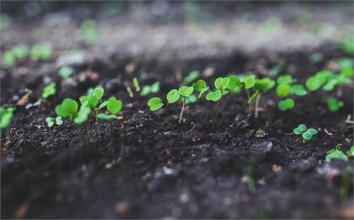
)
(329, 86)
(283, 90)
(145, 91)
(58, 120)
(173, 96)
(264, 84)
(114, 105)
(41, 51)
(335, 154)
(65, 72)
(214, 96)
(301, 128)
(299, 90)
(49, 90)
(286, 104)
(98, 92)
(234, 84)
(103, 105)
(9, 58)
(155, 104)
(155, 87)
(285, 79)
(191, 99)
(185, 91)
(249, 81)
(350, 153)
(334, 104)
(313, 83)
(50, 121)
(82, 115)
(221, 83)
(68, 108)
(307, 135)
(199, 85)
(136, 84)
(191, 77)
(20, 51)
(312, 131)
(104, 116)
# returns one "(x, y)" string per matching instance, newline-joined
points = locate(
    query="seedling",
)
(150, 89)
(88, 32)
(6, 115)
(113, 105)
(183, 93)
(136, 84)
(129, 91)
(41, 51)
(9, 58)
(19, 51)
(191, 77)
(54, 121)
(336, 153)
(286, 104)
(67, 109)
(306, 133)
(350, 153)
(221, 85)
(201, 87)
(49, 90)
(155, 104)
(65, 72)
(334, 104)
(93, 97)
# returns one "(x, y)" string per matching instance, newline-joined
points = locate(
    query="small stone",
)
(276, 168)
(260, 133)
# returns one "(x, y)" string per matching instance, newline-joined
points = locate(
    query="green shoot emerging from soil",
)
(334, 104)
(54, 121)
(113, 105)
(49, 90)
(65, 72)
(182, 94)
(150, 89)
(191, 77)
(306, 133)
(41, 52)
(88, 32)
(155, 104)
(336, 153)
(6, 116)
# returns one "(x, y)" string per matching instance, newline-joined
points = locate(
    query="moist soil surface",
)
(147, 165)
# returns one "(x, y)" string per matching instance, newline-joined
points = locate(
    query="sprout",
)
(283, 90)
(173, 96)
(129, 91)
(334, 104)
(350, 153)
(67, 109)
(249, 81)
(214, 96)
(113, 105)
(286, 104)
(155, 104)
(136, 84)
(9, 58)
(65, 72)
(201, 87)
(83, 114)
(298, 90)
(49, 90)
(234, 84)
(150, 89)
(336, 153)
(21, 51)
(54, 121)
(41, 51)
(184, 93)
(306, 134)
(221, 85)
(192, 76)
(93, 97)
(6, 116)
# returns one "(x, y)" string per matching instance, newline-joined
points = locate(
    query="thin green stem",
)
(182, 110)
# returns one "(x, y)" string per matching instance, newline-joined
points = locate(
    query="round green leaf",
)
(312, 131)
(185, 91)
(199, 85)
(299, 90)
(221, 83)
(114, 105)
(155, 104)
(249, 81)
(173, 96)
(214, 96)
(285, 79)
(336, 154)
(307, 136)
(283, 90)
(286, 104)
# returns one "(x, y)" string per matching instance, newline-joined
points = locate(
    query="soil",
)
(146, 165)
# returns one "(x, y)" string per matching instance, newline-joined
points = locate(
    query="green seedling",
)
(155, 104)
(150, 89)
(6, 115)
(336, 153)
(67, 109)
(129, 91)
(306, 133)
(49, 90)
(9, 58)
(93, 97)
(83, 114)
(65, 72)
(201, 87)
(41, 52)
(334, 104)
(88, 32)
(286, 104)
(113, 105)
(136, 84)
(221, 85)
(183, 94)
(191, 77)
(54, 121)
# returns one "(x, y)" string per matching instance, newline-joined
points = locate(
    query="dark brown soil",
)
(146, 165)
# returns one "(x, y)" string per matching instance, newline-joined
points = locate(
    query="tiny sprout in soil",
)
(306, 133)
(6, 115)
